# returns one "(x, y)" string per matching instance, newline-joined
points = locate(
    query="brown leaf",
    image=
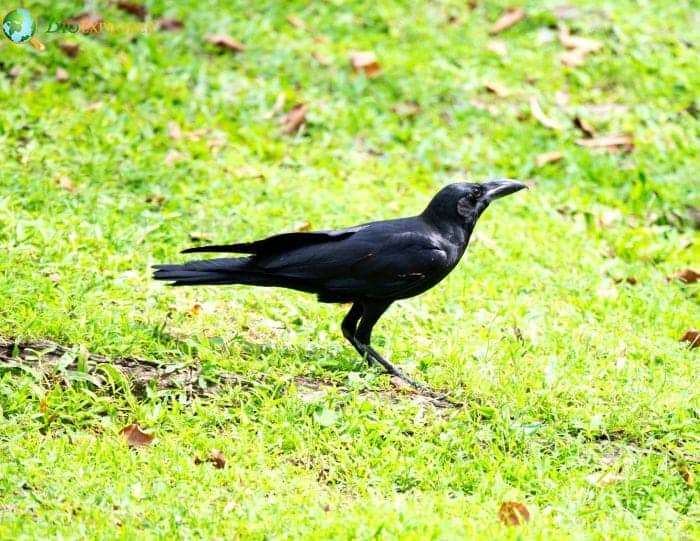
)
(86, 21)
(548, 157)
(583, 127)
(173, 156)
(199, 235)
(156, 198)
(66, 183)
(513, 513)
(296, 22)
(540, 116)
(612, 143)
(406, 108)
(277, 107)
(321, 58)
(225, 42)
(631, 280)
(246, 171)
(584, 45)
(62, 75)
(572, 58)
(197, 135)
(69, 48)
(365, 61)
(170, 24)
(604, 480)
(508, 19)
(497, 88)
(294, 119)
(174, 131)
(302, 226)
(322, 39)
(692, 337)
(215, 457)
(217, 140)
(686, 474)
(688, 276)
(139, 10)
(497, 46)
(135, 437)
(453, 20)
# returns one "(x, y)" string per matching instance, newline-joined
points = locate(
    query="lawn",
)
(559, 332)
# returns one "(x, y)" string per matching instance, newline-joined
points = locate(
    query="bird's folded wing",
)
(278, 243)
(363, 265)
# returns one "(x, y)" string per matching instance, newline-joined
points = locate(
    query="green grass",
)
(566, 373)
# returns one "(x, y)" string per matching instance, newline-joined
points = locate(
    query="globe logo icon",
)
(19, 27)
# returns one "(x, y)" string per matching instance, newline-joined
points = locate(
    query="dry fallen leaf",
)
(686, 474)
(513, 513)
(302, 226)
(199, 235)
(62, 75)
(497, 88)
(583, 127)
(170, 24)
(689, 276)
(540, 116)
(508, 19)
(406, 108)
(139, 10)
(156, 198)
(246, 171)
(277, 107)
(69, 48)
(612, 143)
(604, 480)
(174, 131)
(217, 458)
(548, 157)
(453, 20)
(225, 42)
(692, 337)
(197, 135)
(66, 183)
(297, 22)
(585, 45)
(572, 58)
(321, 58)
(173, 156)
(322, 39)
(497, 46)
(217, 140)
(135, 437)
(294, 119)
(631, 280)
(365, 61)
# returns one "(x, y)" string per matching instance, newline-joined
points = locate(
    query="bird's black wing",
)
(279, 243)
(371, 264)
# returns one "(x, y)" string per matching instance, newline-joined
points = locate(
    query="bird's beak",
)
(495, 189)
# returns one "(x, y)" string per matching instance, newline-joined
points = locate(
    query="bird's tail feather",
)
(213, 272)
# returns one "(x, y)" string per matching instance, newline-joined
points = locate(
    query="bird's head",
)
(463, 202)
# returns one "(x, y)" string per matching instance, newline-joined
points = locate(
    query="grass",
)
(566, 373)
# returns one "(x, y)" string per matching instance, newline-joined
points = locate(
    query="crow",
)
(369, 265)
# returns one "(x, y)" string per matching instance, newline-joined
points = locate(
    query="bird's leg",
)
(361, 340)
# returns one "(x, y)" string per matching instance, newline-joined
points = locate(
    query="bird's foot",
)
(373, 355)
